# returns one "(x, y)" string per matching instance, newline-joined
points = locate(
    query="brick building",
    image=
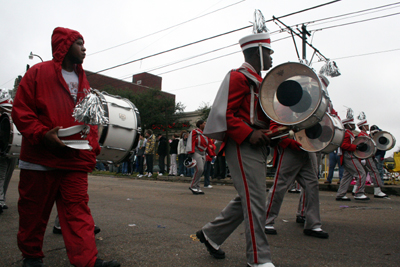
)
(140, 83)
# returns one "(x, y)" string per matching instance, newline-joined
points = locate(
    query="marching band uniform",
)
(352, 166)
(299, 165)
(234, 116)
(295, 164)
(197, 147)
(370, 165)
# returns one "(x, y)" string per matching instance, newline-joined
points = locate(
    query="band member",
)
(352, 166)
(298, 165)
(237, 119)
(51, 171)
(370, 165)
(7, 164)
(198, 145)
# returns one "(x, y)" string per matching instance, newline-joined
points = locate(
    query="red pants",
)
(38, 190)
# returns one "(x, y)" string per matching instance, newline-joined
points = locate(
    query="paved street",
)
(149, 223)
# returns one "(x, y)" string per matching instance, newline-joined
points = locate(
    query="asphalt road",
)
(149, 223)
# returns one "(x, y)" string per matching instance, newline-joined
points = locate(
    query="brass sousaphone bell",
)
(292, 94)
(384, 140)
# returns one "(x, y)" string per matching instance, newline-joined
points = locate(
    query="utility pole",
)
(304, 34)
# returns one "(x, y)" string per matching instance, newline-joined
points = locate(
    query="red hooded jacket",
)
(43, 101)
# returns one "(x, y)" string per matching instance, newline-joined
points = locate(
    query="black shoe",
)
(101, 263)
(57, 231)
(34, 262)
(319, 234)
(343, 199)
(218, 254)
(194, 191)
(300, 219)
(270, 231)
(4, 206)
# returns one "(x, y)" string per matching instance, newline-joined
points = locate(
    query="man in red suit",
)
(51, 171)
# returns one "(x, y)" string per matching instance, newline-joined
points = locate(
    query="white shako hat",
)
(363, 120)
(349, 117)
(255, 40)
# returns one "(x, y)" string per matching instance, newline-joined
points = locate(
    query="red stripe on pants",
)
(248, 204)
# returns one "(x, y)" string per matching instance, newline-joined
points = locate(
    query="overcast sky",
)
(368, 83)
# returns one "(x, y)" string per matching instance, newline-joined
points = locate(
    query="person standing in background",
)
(182, 152)
(162, 152)
(149, 151)
(173, 151)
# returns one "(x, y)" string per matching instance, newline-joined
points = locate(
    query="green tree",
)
(204, 111)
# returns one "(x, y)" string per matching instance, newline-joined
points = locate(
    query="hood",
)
(61, 41)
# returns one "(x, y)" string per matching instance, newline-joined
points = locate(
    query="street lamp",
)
(31, 55)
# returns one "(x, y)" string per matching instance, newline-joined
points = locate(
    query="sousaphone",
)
(292, 94)
(384, 140)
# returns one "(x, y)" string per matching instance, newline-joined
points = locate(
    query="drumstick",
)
(280, 132)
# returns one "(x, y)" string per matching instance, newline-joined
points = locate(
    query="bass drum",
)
(10, 138)
(369, 151)
(121, 134)
(325, 136)
(292, 94)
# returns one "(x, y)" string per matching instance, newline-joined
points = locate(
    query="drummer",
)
(295, 164)
(352, 166)
(369, 163)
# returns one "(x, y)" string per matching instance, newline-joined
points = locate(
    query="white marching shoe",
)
(378, 193)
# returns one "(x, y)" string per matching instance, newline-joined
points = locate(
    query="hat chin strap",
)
(261, 57)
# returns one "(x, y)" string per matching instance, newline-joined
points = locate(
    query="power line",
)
(209, 38)
(198, 63)
(355, 22)
(180, 61)
(179, 24)
(351, 13)
(367, 54)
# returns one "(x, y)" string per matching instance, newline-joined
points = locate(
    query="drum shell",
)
(390, 138)
(309, 81)
(329, 140)
(371, 147)
(121, 134)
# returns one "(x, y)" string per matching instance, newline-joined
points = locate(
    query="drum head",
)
(371, 147)
(290, 93)
(384, 140)
(317, 137)
(5, 132)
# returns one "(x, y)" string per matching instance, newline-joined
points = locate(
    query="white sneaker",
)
(362, 197)
(182, 175)
(208, 186)
(140, 175)
(160, 174)
(150, 174)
